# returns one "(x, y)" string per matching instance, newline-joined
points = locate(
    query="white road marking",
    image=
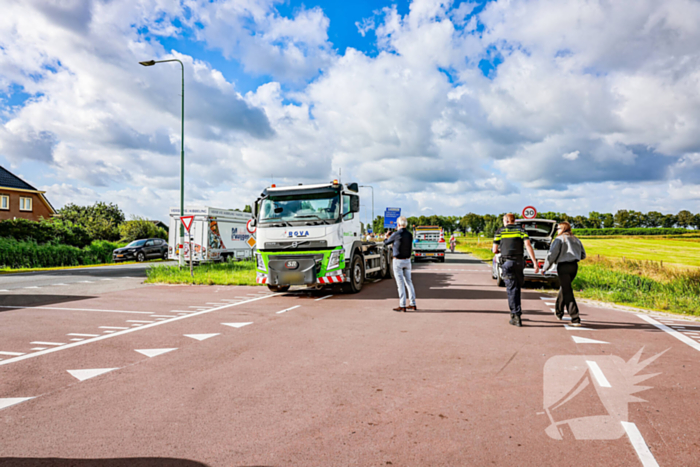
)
(77, 309)
(162, 316)
(85, 282)
(10, 401)
(137, 324)
(39, 348)
(681, 337)
(102, 337)
(228, 300)
(197, 306)
(32, 287)
(550, 303)
(82, 375)
(547, 298)
(41, 343)
(288, 309)
(81, 335)
(323, 298)
(574, 328)
(150, 353)
(598, 373)
(77, 339)
(106, 279)
(112, 327)
(585, 340)
(201, 337)
(187, 311)
(4, 290)
(639, 445)
(137, 321)
(237, 325)
(109, 332)
(11, 354)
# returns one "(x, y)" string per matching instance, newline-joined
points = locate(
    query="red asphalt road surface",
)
(344, 380)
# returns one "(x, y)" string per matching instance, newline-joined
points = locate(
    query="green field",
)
(674, 251)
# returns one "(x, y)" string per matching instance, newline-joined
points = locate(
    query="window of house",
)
(4, 202)
(25, 204)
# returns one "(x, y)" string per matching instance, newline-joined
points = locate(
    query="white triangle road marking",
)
(237, 325)
(82, 375)
(574, 328)
(585, 340)
(9, 401)
(201, 337)
(150, 353)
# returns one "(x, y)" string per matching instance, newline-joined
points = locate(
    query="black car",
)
(140, 250)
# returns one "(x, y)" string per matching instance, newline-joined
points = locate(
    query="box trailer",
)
(216, 235)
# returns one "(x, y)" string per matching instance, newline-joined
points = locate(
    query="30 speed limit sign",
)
(529, 212)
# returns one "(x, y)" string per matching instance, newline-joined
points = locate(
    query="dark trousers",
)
(565, 300)
(514, 278)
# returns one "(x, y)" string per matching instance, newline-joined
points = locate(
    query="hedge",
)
(16, 254)
(45, 231)
(633, 231)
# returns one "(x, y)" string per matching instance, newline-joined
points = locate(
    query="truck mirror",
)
(354, 204)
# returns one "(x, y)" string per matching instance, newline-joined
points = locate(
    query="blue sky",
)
(443, 107)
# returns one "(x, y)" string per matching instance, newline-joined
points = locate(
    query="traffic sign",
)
(529, 212)
(249, 228)
(390, 217)
(250, 242)
(187, 222)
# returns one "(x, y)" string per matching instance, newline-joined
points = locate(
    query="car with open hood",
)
(541, 233)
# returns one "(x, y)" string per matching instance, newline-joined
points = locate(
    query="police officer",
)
(511, 240)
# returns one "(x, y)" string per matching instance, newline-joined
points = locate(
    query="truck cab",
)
(311, 235)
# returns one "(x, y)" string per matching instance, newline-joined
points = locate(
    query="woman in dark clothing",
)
(566, 251)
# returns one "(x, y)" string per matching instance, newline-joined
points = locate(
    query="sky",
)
(443, 107)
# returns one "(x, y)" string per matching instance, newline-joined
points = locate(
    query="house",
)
(160, 224)
(18, 199)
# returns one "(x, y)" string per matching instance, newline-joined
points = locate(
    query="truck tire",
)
(442, 260)
(384, 265)
(389, 266)
(356, 275)
(278, 288)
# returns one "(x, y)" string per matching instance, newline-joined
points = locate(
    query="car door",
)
(149, 249)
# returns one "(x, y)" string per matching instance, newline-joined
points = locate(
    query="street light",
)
(182, 154)
(371, 188)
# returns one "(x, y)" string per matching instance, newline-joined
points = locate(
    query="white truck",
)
(310, 235)
(429, 243)
(216, 235)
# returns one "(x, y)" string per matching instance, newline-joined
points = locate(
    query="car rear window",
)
(538, 229)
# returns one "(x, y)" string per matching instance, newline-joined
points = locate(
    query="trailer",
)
(310, 235)
(429, 243)
(215, 235)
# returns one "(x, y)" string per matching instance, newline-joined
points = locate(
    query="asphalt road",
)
(226, 376)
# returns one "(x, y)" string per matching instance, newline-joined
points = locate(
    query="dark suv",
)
(140, 250)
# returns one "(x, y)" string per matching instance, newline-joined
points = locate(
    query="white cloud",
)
(571, 156)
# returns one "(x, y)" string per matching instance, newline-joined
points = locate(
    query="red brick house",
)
(18, 199)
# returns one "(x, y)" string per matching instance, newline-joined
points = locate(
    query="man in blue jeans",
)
(402, 243)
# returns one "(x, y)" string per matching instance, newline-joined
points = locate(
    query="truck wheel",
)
(389, 266)
(384, 265)
(442, 260)
(278, 288)
(356, 276)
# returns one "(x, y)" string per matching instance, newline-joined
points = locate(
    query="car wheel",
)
(278, 288)
(140, 256)
(357, 275)
(499, 280)
(165, 256)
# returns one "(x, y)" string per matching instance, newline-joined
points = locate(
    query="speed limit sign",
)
(529, 212)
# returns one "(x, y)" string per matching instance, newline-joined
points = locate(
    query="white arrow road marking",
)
(288, 309)
(82, 375)
(154, 352)
(574, 328)
(585, 340)
(9, 401)
(598, 373)
(237, 325)
(639, 445)
(201, 337)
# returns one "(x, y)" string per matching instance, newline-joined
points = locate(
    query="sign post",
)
(187, 221)
(391, 215)
(529, 212)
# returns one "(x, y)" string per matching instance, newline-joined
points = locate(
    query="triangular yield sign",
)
(187, 221)
(82, 375)
(153, 352)
(201, 337)
(585, 340)
(7, 402)
(236, 325)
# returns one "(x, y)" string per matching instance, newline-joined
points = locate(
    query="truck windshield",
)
(305, 208)
(427, 236)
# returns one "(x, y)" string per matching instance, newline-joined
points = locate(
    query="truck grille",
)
(297, 244)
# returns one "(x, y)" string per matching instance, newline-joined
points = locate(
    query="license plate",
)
(293, 278)
(430, 254)
(120, 256)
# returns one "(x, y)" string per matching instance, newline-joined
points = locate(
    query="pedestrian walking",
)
(511, 241)
(402, 243)
(453, 243)
(565, 251)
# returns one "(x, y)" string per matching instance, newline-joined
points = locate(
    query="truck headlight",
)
(334, 260)
(261, 262)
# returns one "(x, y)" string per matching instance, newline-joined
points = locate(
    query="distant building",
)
(18, 199)
(160, 224)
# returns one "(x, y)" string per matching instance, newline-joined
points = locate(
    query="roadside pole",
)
(187, 222)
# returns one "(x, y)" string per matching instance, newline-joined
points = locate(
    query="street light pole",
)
(371, 188)
(182, 156)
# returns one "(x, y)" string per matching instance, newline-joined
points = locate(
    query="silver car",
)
(541, 233)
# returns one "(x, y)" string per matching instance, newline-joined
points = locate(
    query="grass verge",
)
(58, 268)
(233, 273)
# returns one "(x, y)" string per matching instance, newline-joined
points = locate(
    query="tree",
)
(378, 225)
(685, 219)
(248, 208)
(139, 228)
(608, 221)
(472, 222)
(653, 219)
(696, 221)
(101, 220)
(595, 219)
(622, 219)
(669, 221)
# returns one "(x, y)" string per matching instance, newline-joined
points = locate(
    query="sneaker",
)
(515, 320)
(576, 324)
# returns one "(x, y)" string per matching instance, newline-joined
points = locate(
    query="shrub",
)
(138, 228)
(631, 231)
(45, 231)
(17, 254)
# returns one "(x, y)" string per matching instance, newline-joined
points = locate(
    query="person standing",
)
(402, 244)
(453, 243)
(511, 241)
(565, 251)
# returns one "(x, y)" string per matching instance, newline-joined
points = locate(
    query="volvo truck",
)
(310, 235)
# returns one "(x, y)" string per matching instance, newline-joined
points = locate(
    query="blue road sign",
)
(390, 217)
